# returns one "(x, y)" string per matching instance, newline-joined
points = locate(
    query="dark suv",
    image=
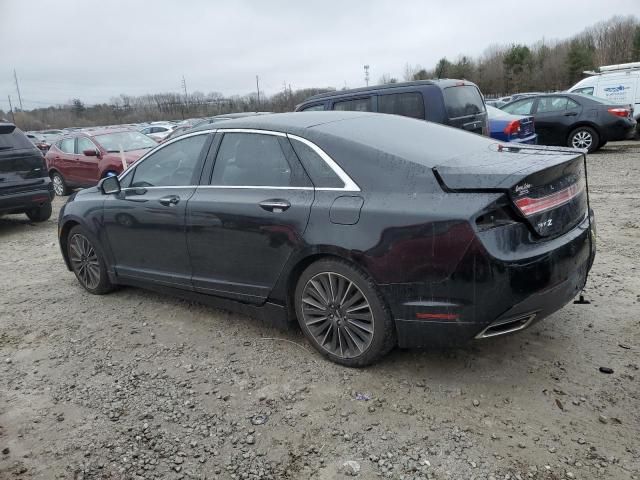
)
(457, 103)
(25, 186)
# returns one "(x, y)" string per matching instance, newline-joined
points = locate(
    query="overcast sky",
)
(96, 49)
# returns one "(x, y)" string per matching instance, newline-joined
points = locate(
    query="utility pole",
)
(13, 117)
(366, 74)
(184, 88)
(15, 76)
(258, 89)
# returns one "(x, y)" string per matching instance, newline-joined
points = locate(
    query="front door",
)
(86, 166)
(145, 222)
(244, 226)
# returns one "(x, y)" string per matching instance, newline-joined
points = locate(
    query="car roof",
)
(402, 137)
(442, 83)
(95, 132)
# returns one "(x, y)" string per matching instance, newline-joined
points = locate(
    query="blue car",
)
(511, 128)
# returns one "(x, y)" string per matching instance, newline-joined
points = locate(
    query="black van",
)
(25, 186)
(458, 103)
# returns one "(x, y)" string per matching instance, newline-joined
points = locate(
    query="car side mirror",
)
(110, 185)
(91, 153)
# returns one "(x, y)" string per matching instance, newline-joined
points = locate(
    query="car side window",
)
(584, 90)
(314, 108)
(521, 107)
(84, 144)
(355, 105)
(322, 175)
(173, 165)
(66, 145)
(409, 104)
(251, 159)
(552, 104)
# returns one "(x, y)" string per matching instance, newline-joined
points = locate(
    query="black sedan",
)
(371, 230)
(575, 120)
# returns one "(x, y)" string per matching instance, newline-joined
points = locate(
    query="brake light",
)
(532, 206)
(512, 128)
(619, 112)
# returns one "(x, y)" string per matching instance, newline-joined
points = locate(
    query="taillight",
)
(619, 112)
(512, 128)
(532, 206)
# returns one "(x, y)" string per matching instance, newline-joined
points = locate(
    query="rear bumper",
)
(530, 140)
(500, 296)
(20, 202)
(622, 129)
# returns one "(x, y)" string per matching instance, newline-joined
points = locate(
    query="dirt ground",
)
(138, 385)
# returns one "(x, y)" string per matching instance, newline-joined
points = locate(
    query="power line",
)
(13, 117)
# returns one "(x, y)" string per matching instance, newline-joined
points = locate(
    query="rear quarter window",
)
(462, 101)
(15, 140)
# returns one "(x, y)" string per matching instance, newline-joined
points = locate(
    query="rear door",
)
(250, 217)
(465, 108)
(554, 116)
(86, 166)
(65, 159)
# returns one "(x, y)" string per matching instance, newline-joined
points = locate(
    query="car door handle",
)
(275, 205)
(169, 200)
(570, 114)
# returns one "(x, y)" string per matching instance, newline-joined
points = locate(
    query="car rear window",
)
(462, 101)
(14, 140)
(406, 104)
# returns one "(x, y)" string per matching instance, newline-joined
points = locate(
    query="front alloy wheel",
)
(87, 262)
(84, 261)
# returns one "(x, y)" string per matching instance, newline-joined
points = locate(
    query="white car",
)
(158, 132)
(618, 83)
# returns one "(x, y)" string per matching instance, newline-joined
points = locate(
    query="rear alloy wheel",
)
(585, 138)
(40, 214)
(341, 312)
(87, 262)
(59, 185)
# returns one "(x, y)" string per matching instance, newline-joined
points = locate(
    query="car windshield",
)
(125, 141)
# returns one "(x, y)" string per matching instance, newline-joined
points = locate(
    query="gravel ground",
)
(138, 385)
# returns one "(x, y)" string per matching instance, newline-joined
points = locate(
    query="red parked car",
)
(83, 158)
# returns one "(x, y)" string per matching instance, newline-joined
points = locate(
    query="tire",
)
(88, 261)
(40, 214)
(59, 185)
(602, 143)
(584, 137)
(357, 329)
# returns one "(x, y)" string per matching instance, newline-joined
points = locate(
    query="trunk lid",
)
(547, 187)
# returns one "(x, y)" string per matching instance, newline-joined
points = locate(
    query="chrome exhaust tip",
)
(507, 325)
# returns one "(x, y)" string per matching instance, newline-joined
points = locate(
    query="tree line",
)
(500, 70)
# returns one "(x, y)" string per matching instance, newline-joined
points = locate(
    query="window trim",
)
(349, 184)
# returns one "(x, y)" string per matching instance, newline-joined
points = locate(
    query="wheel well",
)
(52, 171)
(64, 236)
(584, 124)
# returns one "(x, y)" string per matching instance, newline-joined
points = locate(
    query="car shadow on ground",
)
(12, 223)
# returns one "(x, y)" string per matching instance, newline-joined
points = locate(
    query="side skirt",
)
(270, 314)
